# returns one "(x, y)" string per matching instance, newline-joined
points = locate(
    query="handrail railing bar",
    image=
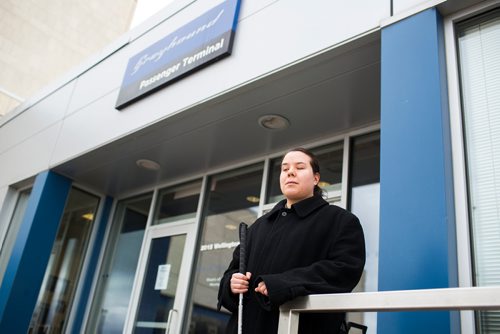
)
(475, 298)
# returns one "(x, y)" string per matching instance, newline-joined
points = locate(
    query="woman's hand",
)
(262, 289)
(239, 282)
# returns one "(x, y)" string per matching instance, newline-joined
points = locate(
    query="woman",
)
(302, 246)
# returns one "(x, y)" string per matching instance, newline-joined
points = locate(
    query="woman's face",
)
(297, 179)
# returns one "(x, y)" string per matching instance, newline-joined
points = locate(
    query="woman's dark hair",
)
(314, 164)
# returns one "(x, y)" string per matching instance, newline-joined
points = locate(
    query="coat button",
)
(283, 214)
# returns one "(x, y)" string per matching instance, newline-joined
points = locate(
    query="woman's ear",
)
(316, 178)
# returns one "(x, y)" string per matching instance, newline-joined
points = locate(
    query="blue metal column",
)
(417, 228)
(31, 253)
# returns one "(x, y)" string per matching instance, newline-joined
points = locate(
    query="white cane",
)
(243, 246)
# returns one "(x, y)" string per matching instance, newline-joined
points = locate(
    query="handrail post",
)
(288, 322)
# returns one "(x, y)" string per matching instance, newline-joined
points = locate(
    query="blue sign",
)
(202, 41)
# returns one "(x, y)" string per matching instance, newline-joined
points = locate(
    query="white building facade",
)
(121, 195)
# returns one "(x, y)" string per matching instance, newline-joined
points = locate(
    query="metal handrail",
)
(477, 298)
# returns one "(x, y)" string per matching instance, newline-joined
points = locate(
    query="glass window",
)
(365, 160)
(230, 201)
(177, 203)
(109, 309)
(65, 262)
(330, 165)
(479, 50)
(364, 189)
(13, 229)
(273, 185)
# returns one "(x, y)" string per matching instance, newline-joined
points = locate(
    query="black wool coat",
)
(311, 248)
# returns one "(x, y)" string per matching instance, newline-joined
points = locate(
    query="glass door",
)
(161, 285)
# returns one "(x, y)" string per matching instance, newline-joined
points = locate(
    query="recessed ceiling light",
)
(230, 227)
(253, 199)
(88, 216)
(148, 164)
(273, 122)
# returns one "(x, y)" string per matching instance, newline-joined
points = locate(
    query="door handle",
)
(170, 320)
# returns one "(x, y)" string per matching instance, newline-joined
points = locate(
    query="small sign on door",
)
(162, 277)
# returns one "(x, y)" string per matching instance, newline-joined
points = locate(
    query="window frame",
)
(7, 213)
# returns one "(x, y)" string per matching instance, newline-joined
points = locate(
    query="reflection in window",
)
(231, 200)
(66, 259)
(330, 165)
(116, 281)
(177, 203)
(13, 230)
(365, 204)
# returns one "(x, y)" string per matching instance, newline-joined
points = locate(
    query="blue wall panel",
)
(26, 267)
(417, 240)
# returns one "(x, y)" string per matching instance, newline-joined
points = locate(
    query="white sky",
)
(146, 9)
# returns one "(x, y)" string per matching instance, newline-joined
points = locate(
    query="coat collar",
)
(302, 208)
